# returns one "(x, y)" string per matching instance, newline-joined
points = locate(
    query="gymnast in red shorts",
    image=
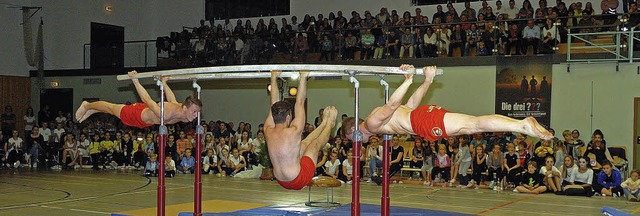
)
(433, 122)
(145, 114)
(294, 161)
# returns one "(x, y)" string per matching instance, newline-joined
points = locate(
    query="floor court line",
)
(506, 204)
(74, 209)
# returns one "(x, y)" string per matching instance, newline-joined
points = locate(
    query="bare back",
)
(399, 123)
(284, 150)
(172, 114)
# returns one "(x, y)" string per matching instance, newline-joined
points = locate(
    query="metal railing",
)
(621, 50)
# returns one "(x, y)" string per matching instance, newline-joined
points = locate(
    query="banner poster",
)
(523, 87)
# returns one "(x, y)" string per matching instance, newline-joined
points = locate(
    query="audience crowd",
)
(499, 161)
(490, 29)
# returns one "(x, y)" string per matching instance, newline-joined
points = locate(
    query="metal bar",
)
(357, 145)
(384, 202)
(162, 142)
(339, 69)
(197, 190)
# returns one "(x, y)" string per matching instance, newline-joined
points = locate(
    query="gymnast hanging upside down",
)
(433, 122)
(294, 161)
(142, 115)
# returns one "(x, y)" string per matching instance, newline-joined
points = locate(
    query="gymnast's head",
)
(282, 112)
(191, 107)
(349, 127)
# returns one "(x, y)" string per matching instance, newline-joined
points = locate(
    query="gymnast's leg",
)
(87, 109)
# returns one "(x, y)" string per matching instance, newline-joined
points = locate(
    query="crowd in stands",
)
(491, 29)
(499, 161)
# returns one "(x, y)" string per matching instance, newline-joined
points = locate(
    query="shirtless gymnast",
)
(433, 122)
(142, 115)
(294, 161)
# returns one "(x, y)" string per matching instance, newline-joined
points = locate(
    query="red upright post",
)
(197, 189)
(385, 175)
(357, 145)
(161, 188)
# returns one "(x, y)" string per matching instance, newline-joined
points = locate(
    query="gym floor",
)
(85, 192)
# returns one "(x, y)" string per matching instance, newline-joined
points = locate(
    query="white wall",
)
(12, 58)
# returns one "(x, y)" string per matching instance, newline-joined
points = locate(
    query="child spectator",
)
(238, 163)
(151, 169)
(224, 165)
(464, 159)
(187, 163)
(608, 181)
(443, 165)
(495, 162)
(331, 166)
(209, 163)
(560, 152)
(94, 150)
(455, 160)
(567, 170)
(169, 167)
(512, 165)
(543, 151)
(479, 166)
(631, 186)
(531, 180)
(551, 176)
(581, 179)
(347, 168)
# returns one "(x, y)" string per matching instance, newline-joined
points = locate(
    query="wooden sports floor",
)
(85, 192)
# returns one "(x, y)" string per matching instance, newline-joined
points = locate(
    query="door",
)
(58, 99)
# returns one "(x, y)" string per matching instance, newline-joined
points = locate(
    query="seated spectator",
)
(150, 145)
(94, 150)
(530, 36)
(374, 156)
(483, 50)
(69, 149)
(443, 33)
(151, 168)
(544, 151)
(187, 164)
(139, 156)
(479, 166)
(631, 186)
(392, 44)
(397, 156)
(367, 40)
(407, 42)
(430, 40)
(13, 148)
(322, 159)
(300, 48)
(83, 148)
(567, 169)
(182, 144)
(488, 36)
(326, 49)
(531, 180)
(331, 166)
(350, 46)
(551, 175)
(238, 163)
(581, 179)
(347, 169)
(609, 181)
(169, 167)
(380, 47)
(442, 166)
(418, 153)
(473, 36)
(224, 163)
(127, 149)
(418, 46)
(586, 21)
(549, 41)
(495, 162)
(468, 11)
(210, 163)
(597, 151)
(512, 167)
(457, 40)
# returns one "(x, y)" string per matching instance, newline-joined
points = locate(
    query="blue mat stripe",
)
(298, 210)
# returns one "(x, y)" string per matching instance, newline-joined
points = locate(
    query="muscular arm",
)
(416, 98)
(144, 95)
(382, 115)
(168, 92)
(299, 119)
(275, 97)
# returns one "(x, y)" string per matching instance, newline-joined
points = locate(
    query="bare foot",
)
(533, 128)
(81, 110)
(330, 113)
(87, 114)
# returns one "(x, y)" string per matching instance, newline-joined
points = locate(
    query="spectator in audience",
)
(581, 179)
(350, 46)
(60, 119)
(489, 15)
(83, 148)
(633, 16)
(187, 163)
(473, 36)
(44, 115)
(463, 160)
(347, 168)
(526, 12)
(29, 120)
(397, 156)
(331, 166)
(326, 48)
(209, 163)
(479, 166)
(512, 167)
(542, 8)
(451, 11)
(495, 162)
(418, 153)
(139, 154)
(609, 181)
(430, 40)
(567, 169)
(150, 145)
(439, 14)
(488, 37)
(245, 147)
(531, 180)
(380, 47)
(367, 40)
(552, 176)
(512, 12)
(530, 36)
(609, 11)
(13, 149)
(407, 41)
(442, 166)
(169, 167)
(483, 9)
(182, 144)
(45, 132)
(418, 46)
(543, 151)
(499, 9)
(572, 147)
(392, 44)
(300, 48)
(151, 168)
(107, 148)
(457, 40)
(374, 156)
(118, 147)
(468, 11)
(127, 149)
(237, 162)
(631, 186)
(69, 149)
(94, 150)
(443, 33)
(586, 21)
(597, 151)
